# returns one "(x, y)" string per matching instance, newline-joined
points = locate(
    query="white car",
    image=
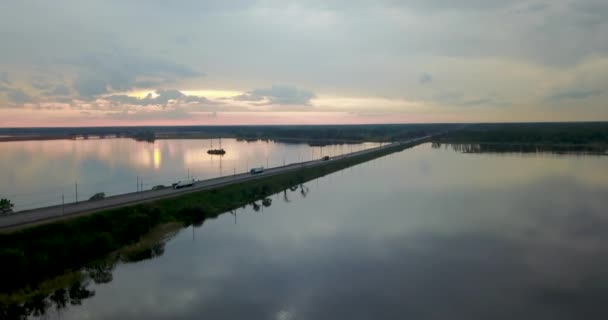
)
(184, 183)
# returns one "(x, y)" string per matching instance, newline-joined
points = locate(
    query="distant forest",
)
(322, 132)
(575, 133)
(522, 133)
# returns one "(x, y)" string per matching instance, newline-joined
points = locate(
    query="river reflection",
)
(38, 173)
(525, 148)
(422, 234)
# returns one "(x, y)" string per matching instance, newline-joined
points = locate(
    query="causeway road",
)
(27, 218)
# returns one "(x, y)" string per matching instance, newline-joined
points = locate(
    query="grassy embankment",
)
(33, 255)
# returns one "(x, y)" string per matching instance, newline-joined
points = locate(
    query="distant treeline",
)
(382, 133)
(387, 132)
(531, 133)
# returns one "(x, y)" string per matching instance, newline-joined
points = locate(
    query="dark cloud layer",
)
(59, 90)
(575, 94)
(340, 48)
(163, 97)
(425, 78)
(15, 95)
(278, 94)
(4, 79)
(120, 71)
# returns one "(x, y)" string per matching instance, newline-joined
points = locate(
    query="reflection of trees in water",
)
(39, 304)
(304, 191)
(522, 148)
(256, 206)
(79, 292)
(467, 148)
(101, 271)
(60, 298)
(154, 251)
(266, 202)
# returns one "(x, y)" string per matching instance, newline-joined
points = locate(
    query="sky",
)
(190, 62)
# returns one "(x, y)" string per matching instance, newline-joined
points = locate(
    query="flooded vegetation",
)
(427, 230)
(524, 148)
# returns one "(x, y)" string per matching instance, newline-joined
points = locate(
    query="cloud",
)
(248, 97)
(278, 94)
(575, 94)
(41, 83)
(163, 97)
(425, 78)
(59, 90)
(4, 79)
(450, 98)
(101, 74)
(384, 48)
(150, 115)
(90, 86)
(433, 6)
(478, 102)
(532, 8)
(15, 95)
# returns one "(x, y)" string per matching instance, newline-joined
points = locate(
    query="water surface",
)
(421, 234)
(38, 173)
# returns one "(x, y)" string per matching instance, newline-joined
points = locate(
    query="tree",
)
(6, 206)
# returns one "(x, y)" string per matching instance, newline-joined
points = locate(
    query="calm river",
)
(421, 234)
(38, 173)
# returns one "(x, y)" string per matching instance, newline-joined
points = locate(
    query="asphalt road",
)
(53, 213)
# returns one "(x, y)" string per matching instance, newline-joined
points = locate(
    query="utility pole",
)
(137, 184)
(76, 184)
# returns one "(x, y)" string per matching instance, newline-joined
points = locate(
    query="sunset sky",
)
(120, 62)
